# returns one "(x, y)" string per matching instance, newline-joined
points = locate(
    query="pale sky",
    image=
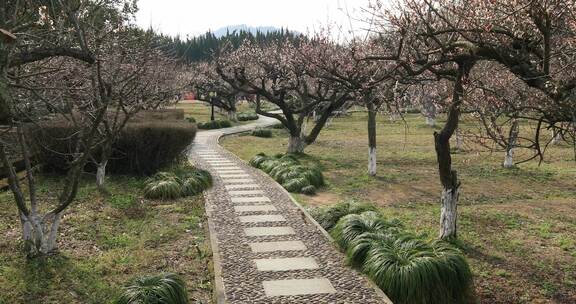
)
(194, 17)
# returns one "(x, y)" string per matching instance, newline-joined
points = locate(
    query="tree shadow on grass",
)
(58, 279)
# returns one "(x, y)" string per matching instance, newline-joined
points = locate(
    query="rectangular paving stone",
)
(296, 287)
(239, 181)
(221, 164)
(252, 199)
(269, 231)
(285, 264)
(244, 192)
(254, 208)
(234, 176)
(277, 246)
(230, 171)
(241, 186)
(262, 218)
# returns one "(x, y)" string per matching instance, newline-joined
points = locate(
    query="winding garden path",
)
(266, 247)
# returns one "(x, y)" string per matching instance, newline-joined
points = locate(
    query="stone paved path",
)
(266, 249)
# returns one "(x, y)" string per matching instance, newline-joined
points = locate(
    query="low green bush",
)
(328, 217)
(214, 124)
(182, 181)
(266, 133)
(247, 116)
(191, 119)
(278, 126)
(287, 171)
(408, 268)
(166, 288)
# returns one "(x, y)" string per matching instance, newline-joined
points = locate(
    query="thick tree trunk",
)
(296, 144)
(371, 139)
(512, 138)
(40, 234)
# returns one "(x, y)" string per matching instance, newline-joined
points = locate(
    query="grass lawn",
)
(104, 243)
(516, 226)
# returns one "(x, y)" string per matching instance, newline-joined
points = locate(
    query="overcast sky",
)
(194, 17)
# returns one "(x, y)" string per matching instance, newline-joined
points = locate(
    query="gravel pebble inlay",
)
(309, 274)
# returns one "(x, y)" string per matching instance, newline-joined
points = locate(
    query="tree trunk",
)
(556, 137)
(448, 176)
(449, 212)
(40, 234)
(459, 140)
(296, 144)
(512, 138)
(232, 115)
(101, 165)
(101, 173)
(371, 139)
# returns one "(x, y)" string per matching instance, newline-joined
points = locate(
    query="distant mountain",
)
(243, 27)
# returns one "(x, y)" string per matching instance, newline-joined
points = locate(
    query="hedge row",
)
(265, 133)
(408, 268)
(214, 124)
(142, 148)
(247, 116)
(288, 171)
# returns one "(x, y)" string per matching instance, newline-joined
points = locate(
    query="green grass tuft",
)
(265, 133)
(411, 270)
(247, 116)
(287, 170)
(166, 288)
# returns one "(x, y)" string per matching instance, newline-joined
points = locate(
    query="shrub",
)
(329, 216)
(266, 133)
(164, 186)
(214, 124)
(166, 288)
(145, 148)
(287, 170)
(247, 116)
(191, 119)
(277, 126)
(351, 226)
(183, 181)
(158, 115)
(411, 270)
(141, 148)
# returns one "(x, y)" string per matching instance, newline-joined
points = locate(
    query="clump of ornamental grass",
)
(214, 124)
(408, 268)
(247, 116)
(165, 288)
(287, 171)
(328, 217)
(182, 181)
(264, 133)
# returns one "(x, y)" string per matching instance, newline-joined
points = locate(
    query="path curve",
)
(266, 248)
